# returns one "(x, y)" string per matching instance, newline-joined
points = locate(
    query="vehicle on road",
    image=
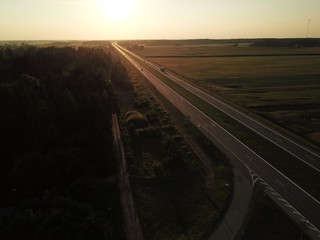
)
(162, 69)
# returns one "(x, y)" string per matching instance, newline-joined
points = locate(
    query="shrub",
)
(137, 119)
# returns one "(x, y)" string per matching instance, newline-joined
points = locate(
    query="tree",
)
(55, 217)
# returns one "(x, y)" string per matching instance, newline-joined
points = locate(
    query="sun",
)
(117, 10)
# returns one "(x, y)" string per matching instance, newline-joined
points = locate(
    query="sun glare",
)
(117, 10)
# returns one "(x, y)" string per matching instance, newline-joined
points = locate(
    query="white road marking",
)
(296, 212)
(314, 229)
(269, 188)
(288, 205)
(277, 194)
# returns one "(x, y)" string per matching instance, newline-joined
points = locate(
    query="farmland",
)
(279, 84)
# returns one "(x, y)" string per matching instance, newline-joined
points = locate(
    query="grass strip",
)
(267, 221)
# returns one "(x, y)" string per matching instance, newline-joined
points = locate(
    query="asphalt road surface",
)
(300, 201)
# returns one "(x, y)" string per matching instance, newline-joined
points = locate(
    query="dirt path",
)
(130, 218)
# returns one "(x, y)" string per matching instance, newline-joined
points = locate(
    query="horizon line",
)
(152, 39)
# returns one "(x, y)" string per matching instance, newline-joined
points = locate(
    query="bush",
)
(137, 119)
(148, 132)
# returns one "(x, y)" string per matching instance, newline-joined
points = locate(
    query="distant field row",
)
(238, 55)
(220, 49)
(239, 67)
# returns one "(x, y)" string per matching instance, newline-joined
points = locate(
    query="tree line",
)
(287, 42)
(57, 166)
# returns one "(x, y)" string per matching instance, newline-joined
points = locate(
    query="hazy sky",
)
(154, 19)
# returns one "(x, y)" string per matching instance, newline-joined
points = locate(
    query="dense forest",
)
(57, 168)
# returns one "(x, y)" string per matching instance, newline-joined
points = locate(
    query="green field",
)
(283, 87)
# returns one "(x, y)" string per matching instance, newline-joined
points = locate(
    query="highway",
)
(300, 201)
(288, 144)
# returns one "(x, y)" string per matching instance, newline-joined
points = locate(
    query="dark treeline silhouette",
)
(100, 43)
(57, 170)
(131, 46)
(287, 42)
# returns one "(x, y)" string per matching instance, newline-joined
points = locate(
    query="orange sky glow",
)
(152, 19)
